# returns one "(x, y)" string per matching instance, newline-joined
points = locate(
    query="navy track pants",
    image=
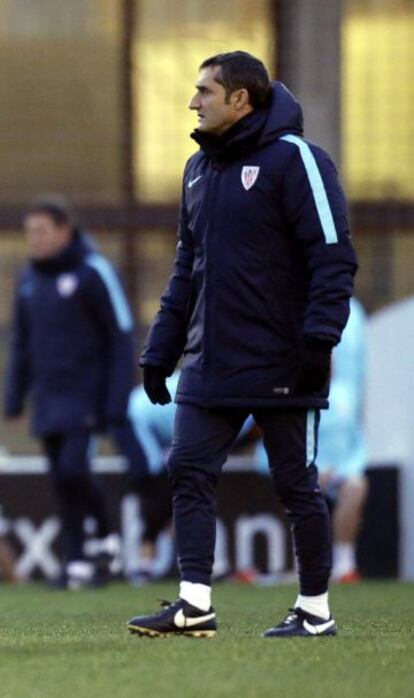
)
(200, 446)
(78, 490)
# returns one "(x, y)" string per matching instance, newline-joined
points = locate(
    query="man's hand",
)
(155, 385)
(315, 366)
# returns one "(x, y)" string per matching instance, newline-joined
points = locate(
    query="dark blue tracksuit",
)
(264, 260)
(72, 349)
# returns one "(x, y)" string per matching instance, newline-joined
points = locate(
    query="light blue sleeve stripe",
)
(113, 286)
(310, 437)
(318, 189)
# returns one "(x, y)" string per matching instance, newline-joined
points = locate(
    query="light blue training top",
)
(153, 424)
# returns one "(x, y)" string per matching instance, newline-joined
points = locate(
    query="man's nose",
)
(195, 102)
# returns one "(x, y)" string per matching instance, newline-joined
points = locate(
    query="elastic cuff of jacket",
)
(161, 370)
(322, 344)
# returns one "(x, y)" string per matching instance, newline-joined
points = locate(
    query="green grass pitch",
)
(61, 644)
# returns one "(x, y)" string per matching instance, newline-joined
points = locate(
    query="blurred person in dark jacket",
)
(72, 349)
(257, 300)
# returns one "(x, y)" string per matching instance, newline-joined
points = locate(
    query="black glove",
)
(155, 386)
(315, 366)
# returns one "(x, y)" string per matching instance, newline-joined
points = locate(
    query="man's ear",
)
(240, 99)
(66, 232)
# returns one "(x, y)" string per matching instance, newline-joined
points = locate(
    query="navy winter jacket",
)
(264, 260)
(71, 344)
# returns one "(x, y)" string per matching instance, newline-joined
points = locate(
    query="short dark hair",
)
(56, 208)
(240, 69)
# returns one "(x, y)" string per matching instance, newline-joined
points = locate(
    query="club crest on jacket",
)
(66, 284)
(249, 174)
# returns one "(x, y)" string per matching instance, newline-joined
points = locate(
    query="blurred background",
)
(94, 106)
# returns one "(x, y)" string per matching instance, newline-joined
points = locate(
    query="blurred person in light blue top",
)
(342, 450)
(153, 424)
(144, 439)
(342, 454)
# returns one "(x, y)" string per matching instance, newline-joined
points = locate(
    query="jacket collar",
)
(238, 140)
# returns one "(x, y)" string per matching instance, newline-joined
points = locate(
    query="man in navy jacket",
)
(258, 298)
(72, 349)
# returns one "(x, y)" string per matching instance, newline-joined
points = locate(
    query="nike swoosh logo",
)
(193, 181)
(181, 621)
(318, 629)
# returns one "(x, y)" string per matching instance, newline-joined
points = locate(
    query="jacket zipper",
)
(208, 271)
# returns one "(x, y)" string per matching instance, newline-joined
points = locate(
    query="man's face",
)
(215, 113)
(44, 237)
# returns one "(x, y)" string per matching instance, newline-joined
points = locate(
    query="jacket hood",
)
(284, 115)
(79, 247)
(281, 115)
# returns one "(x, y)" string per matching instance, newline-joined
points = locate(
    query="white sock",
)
(80, 573)
(198, 595)
(316, 605)
(344, 559)
(81, 569)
